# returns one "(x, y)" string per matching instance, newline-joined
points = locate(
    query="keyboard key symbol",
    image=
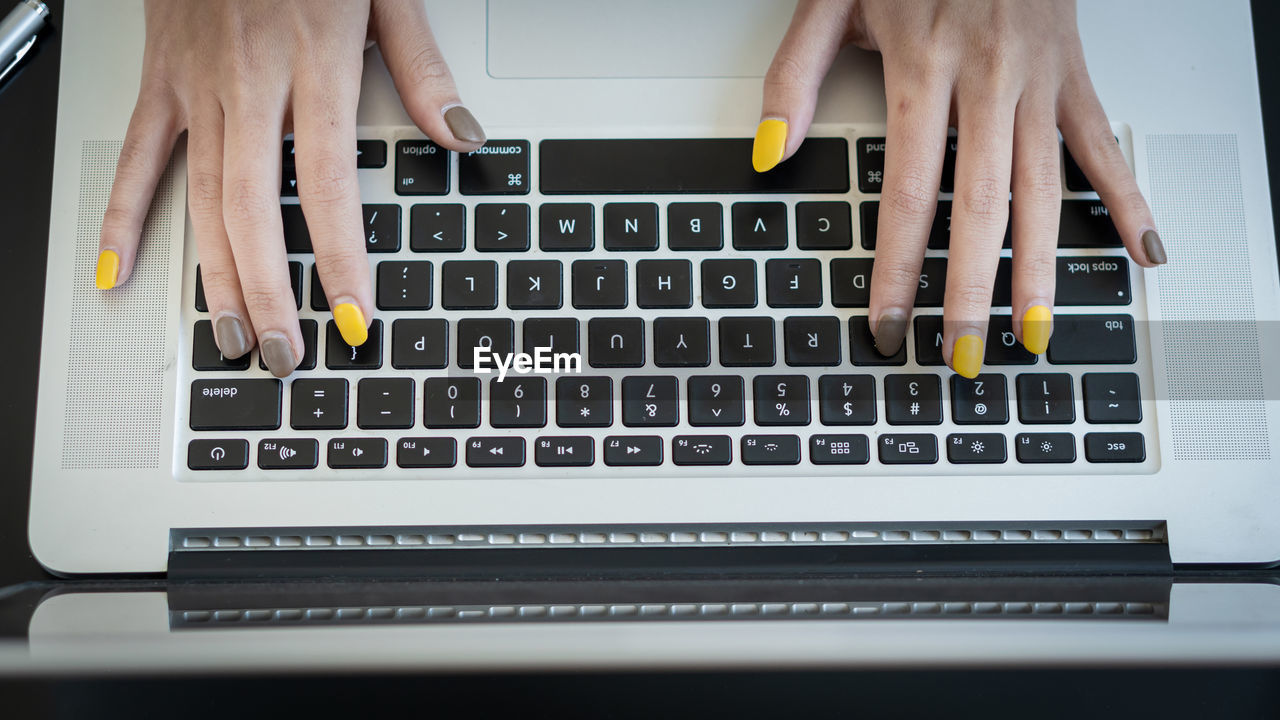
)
(915, 408)
(217, 453)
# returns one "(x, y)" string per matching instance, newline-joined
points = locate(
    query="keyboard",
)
(688, 316)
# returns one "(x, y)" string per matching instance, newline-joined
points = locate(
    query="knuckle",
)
(119, 221)
(968, 295)
(428, 67)
(265, 301)
(913, 193)
(329, 179)
(896, 278)
(1041, 179)
(249, 201)
(1039, 267)
(341, 265)
(204, 192)
(985, 199)
(218, 278)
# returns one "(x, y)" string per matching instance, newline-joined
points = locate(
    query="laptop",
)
(681, 404)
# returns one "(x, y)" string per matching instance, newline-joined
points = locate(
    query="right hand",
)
(237, 75)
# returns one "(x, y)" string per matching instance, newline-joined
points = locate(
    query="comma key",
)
(234, 404)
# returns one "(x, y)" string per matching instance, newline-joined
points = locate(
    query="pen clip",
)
(17, 57)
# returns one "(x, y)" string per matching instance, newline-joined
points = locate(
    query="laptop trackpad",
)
(628, 39)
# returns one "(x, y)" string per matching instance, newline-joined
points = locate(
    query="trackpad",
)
(628, 39)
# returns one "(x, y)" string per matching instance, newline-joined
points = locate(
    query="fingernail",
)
(463, 124)
(1037, 326)
(351, 323)
(108, 269)
(229, 334)
(890, 331)
(771, 141)
(966, 356)
(1154, 247)
(277, 353)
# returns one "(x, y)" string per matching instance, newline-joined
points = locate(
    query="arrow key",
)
(426, 452)
(485, 452)
(576, 451)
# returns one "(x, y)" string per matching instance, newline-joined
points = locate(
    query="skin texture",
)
(236, 76)
(1008, 75)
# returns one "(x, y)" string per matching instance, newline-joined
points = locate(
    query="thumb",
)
(791, 86)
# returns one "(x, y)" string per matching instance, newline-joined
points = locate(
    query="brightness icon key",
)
(1045, 447)
(976, 448)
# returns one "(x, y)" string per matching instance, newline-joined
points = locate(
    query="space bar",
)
(710, 165)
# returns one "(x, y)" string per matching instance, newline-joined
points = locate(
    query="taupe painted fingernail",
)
(1154, 247)
(890, 330)
(229, 334)
(463, 124)
(277, 353)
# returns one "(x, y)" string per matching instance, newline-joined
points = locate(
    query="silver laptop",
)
(705, 421)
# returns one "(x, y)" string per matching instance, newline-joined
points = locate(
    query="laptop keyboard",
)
(718, 317)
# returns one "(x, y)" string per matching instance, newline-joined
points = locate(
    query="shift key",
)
(1093, 281)
(235, 404)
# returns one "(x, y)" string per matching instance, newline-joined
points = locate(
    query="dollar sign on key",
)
(848, 409)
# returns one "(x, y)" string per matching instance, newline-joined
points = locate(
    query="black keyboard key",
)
(1092, 339)
(976, 448)
(851, 282)
(235, 404)
(716, 400)
(599, 284)
(681, 342)
(948, 181)
(494, 339)
(839, 450)
(385, 403)
(502, 227)
(584, 401)
(297, 239)
(371, 153)
(908, 449)
(1086, 224)
(438, 228)
(615, 342)
(630, 226)
(489, 452)
(1076, 179)
(811, 341)
(759, 226)
(692, 165)
(824, 226)
(664, 284)
(847, 399)
(650, 401)
(695, 226)
(1111, 398)
(319, 301)
(288, 453)
(382, 228)
(729, 283)
(746, 342)
(499, 167)
(781, 399)
(1045, 447)
(419, 343)
(534, 285)
(517, 402)
(357, 453)
(201, 304)
(426, 452)
(770, 450)
(338, 355)
(288, 182)
(868, 222)
(701, 450)
(1046, 398)
(1092, 281)
(559, 335)
(929, 340)
(1119, 447)
(623, 450)
(451, 402)
(793, 283)
(575, 451)
(862, 346)
(984, 400)
(566, 227)
(422, 168)
(469, 285)
(932, 290)
(205, 354)
(218, 454)
(870, 164)
(404, 285)
(318, 404)
(913, 399)
(1003, 347)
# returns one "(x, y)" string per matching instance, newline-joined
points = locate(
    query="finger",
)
(251, 213)
(231, 329)
(1092, 142)
(148, 143)
(324, 136)
(794, 77)
(979, 216)
(422, 77)
(1037, 200)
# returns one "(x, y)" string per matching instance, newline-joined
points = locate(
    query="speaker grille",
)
(117, 353)
(1213, 366)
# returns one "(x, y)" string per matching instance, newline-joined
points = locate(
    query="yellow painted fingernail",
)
(351, 324)
(771, 141)
(108, 269)
(966, 356)
(1037, 325)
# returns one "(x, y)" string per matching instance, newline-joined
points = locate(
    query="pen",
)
(18, 32)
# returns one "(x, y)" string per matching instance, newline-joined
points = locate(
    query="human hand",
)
(236, 76)
(1008, 74)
